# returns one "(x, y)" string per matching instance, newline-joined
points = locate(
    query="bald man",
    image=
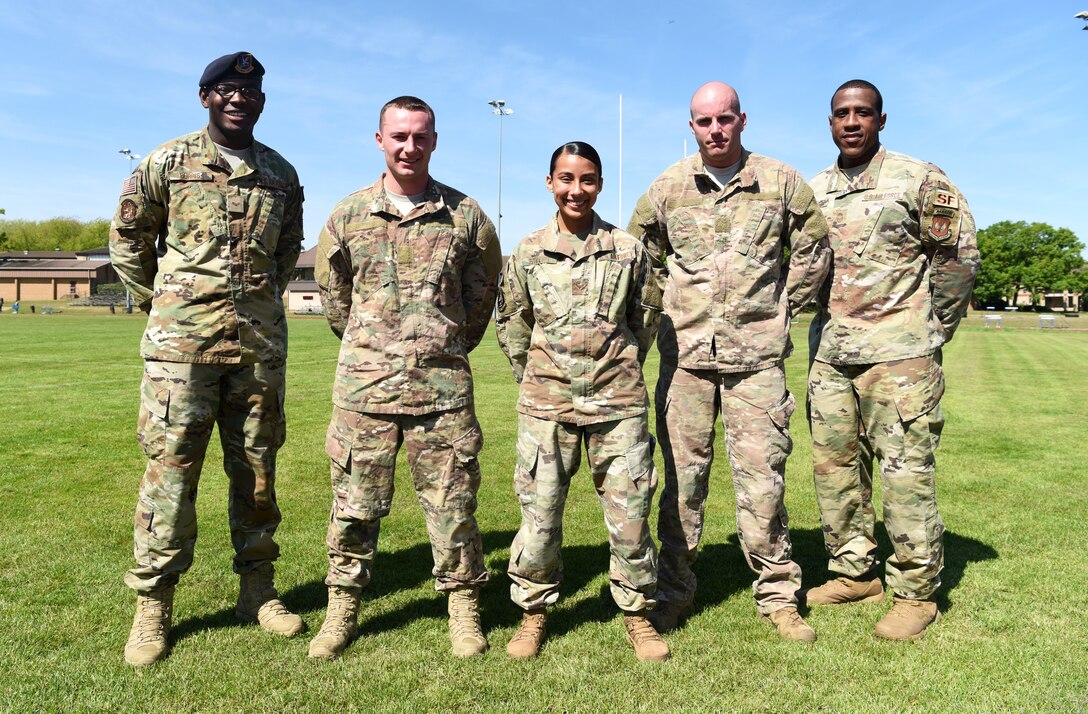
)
(717, 226)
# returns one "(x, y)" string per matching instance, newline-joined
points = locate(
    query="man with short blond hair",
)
(407, 268)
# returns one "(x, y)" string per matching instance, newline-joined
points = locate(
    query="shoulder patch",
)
(940, 226)
(128, 186)
(946, 199)
(127, 211)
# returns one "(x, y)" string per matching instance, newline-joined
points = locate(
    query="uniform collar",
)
(599, 240)
(210, 156)
(838, 182)
(745, 177)
(433, 200)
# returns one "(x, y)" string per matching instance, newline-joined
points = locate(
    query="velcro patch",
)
(940, 226)
(946, 199)
(128, 186)
(127, 211)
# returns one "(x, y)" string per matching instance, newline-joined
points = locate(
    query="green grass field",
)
(1012, 483)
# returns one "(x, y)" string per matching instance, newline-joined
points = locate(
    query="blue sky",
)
(994, 93)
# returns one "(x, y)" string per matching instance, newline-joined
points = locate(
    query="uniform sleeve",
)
(810, 252)
(514, 320)
(334, 273)
(939, 208)
(954, 265)
(478, 280)
(648, 226)
(289, 245)
(134, 232)
(644, 311)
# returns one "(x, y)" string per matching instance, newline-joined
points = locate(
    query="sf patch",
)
(946, 199)
(127, 211)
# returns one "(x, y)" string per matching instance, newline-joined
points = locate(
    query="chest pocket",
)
(549, 289)
(884, 237)
(444, 263)
(615, 282)
(759, 239)
(691, 235)
(271, 201)
(197, 210)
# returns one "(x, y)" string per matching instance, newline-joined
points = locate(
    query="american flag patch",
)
(128, 185)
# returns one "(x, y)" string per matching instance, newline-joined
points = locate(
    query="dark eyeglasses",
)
(226, 91)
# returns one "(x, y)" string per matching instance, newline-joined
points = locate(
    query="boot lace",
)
(640, 630)
(532, 628)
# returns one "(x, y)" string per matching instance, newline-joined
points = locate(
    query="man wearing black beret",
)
(206, 235)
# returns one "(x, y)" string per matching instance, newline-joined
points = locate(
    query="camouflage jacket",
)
(208, 252)
(719, 258)
(576, 321)
(410, 296)
(905, 261)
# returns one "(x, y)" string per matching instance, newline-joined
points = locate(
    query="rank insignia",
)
(127, 211)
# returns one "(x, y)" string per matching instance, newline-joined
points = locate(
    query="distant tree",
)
(1032, 256)
(67, 234)
(3, 235)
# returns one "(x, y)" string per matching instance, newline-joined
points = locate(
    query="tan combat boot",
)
(668, 616)
(259, 602)
(151, 627)
(527, 640)
(790, 624)
(908, 619)
(649, 647)
(465, 634)
(341, 624)
(843, 590)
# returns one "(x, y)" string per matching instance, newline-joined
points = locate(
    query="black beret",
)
(237, 64)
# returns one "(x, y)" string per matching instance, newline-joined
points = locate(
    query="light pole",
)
(500, 108)
(131, 157)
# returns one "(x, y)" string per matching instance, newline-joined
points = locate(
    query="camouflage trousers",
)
(180, 405)
(755, 409)
(890, 410)
(442, 448)
(621, 462)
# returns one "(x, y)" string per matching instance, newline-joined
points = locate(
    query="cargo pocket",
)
(525, 472)
(339, 450)
(144, 535)
(153, 420)
(464, 480)
(921, 397)
(780, 413)
(642, 481)
(613, 287)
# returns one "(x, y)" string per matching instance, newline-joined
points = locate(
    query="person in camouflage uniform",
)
(717, 226)
(207, 232)
(905, 262)
(407, 269)
(578, 311)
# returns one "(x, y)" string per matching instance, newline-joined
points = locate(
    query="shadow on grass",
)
(721, 570)
(405, 569)
(959, 552)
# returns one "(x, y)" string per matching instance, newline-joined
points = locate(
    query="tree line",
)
(67, 234)
(1035, 257)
